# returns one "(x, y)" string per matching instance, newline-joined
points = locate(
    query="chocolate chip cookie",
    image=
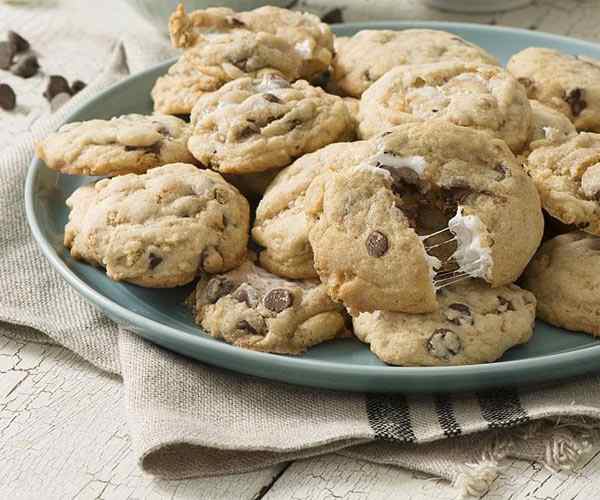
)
(311, 39)
(483, 97)
(281, 225)
(474, 324)
(436, 204)
(225, 57)
(252, 308)
(159, 229)
(564, 275)
(123, 145)
(567, 177)
(570, 84)
(251, 125)
(362, 59)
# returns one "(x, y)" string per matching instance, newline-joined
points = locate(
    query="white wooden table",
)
(62, 426)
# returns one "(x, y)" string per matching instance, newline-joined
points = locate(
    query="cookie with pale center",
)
(473, 324)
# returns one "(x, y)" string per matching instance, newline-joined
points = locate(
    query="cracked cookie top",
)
(161, 228)
(365, 57)
(483, 97)
(252, 125)
(567, 176)
(464, 330)
(252, 308)
(570, 84)
(206, 67)
(126, 144)
(311, 39)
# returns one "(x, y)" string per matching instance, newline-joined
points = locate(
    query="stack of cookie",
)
(381, 180)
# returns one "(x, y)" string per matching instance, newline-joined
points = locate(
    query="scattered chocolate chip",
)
(26, 67)
(20, 44)
(241, 64)
(217, 287)
(444, 344)
(77, 86)
(234, 21)
(334, 16)
(278, 300)
(244, 325)
(56, 85)
(367, 76)
(248, 131)
(151, 149)
(459, 313)
(221, 196)
(502, 170)
(505, 304)
(154, 260)
(248, 294)
(377, 244)
(271, 98)
(322, 79)
(8, 99)
(575, 99)
(457, 195)
(7, 52)
(58, 100)
(526, 82)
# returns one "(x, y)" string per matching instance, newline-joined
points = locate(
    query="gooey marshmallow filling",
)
(473, 258)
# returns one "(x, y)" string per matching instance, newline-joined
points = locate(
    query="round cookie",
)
(159, 229)
(311, 39)
(567, 177)
(252, 308)
(362, 59)
(255, 125)
(281, 225)
(569, 84)
(548, 126)
(564, 276)
(206, 67)
(483, 97)
(437, 203)
(474, 324)
(122, 145)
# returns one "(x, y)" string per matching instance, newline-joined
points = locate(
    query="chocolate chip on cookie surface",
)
(568, 83)
(365, 57)
(159, 229)
(252, 308)
(479, 331)
(436, 203)
(483, 97)
(241, 128)
(126, 144)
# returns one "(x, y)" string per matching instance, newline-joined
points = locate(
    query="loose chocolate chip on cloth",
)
(56, 85)
(7, 52)
(26, 67)
(20, 44)
(8, 99)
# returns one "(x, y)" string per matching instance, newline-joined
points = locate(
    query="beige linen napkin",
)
(176, 407)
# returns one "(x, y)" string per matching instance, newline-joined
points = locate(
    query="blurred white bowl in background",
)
(477, 5)
(158, 11)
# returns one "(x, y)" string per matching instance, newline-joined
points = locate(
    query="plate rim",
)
(250, 361)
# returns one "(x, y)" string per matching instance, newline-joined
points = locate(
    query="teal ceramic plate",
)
(159, 316)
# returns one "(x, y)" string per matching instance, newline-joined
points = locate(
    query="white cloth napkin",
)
(188, 419)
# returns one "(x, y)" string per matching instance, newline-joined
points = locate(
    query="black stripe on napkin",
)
(502, 408)
(446, 417)
(389, 418)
